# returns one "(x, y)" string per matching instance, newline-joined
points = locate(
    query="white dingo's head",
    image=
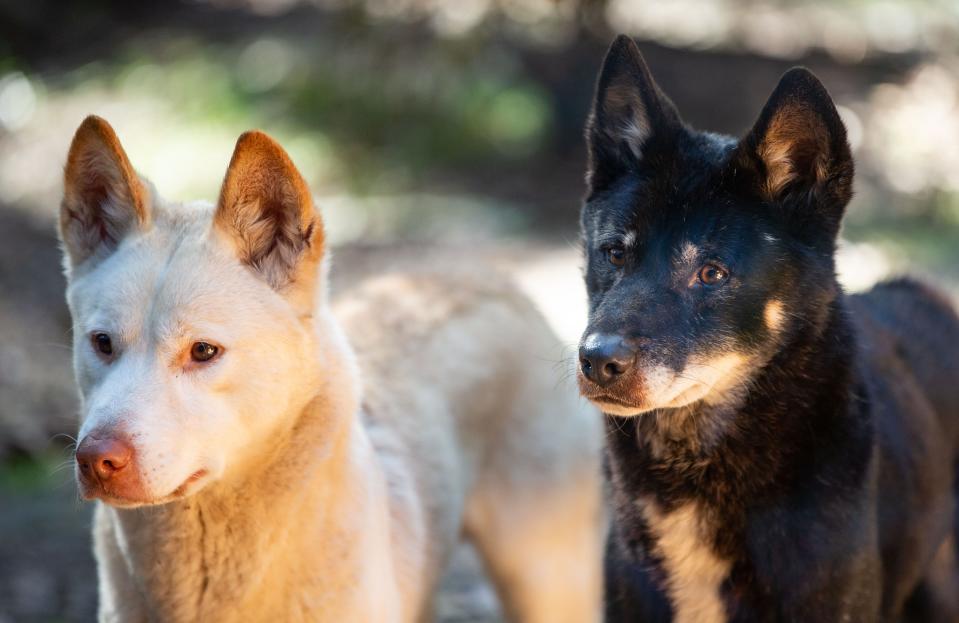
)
(198, 330)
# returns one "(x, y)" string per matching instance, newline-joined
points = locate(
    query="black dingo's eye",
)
(713, 275)
(103, 344)
(616, 255)
(203, 351)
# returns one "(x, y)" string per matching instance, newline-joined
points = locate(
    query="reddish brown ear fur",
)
(796, 156)
(799, 142)
(103, 198)
(265, 206)
(795, 148)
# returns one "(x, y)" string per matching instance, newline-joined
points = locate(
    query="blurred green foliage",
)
(22, 474)
(378, 112)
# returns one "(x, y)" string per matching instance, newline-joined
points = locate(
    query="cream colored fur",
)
(337, 477)
(710, 379)
(694, 573)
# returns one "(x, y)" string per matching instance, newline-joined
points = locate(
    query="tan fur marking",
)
(694, 572)
(795, 145)
(774, 315)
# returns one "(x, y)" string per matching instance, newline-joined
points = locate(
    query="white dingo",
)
(243, 470)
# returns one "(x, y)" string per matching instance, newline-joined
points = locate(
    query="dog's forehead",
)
(178, 269)
(641, 217)
(676, 210)
(681, 185)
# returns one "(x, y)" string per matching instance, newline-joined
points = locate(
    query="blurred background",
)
(453, 123)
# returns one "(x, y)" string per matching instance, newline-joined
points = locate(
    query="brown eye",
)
(617, 256)
(203, 351)
(712, 275)
(103, 344)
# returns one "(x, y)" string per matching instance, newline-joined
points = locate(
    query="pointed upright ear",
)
(629, 114)
(266, 210)
(797, 152)
(103, 198)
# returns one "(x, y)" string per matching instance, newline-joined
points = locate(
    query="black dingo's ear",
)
(266, 209)
(797, 154)
(629, 114)
(103, 198)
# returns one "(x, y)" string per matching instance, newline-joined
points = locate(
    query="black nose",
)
(604, 358)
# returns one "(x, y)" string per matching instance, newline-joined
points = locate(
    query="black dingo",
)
(777, 450)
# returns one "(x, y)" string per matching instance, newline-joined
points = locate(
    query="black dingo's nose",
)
(603, 358)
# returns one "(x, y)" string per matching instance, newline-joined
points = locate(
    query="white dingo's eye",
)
(103, 344)
(203, 351)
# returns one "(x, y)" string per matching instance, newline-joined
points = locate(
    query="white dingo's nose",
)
(105, 465)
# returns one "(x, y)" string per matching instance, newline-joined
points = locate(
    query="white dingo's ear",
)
(103, 198)
(266, 209)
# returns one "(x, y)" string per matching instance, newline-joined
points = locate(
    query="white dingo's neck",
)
(304, 535)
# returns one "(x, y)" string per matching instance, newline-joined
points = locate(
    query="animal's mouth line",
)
(604, 398)
(676, 396)
(592, 392)
(692, 387)
(194, 477)
(105, 494)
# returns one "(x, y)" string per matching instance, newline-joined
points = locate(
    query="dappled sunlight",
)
(860, 266)
(849, 31)
(546, 278)
(444, 135)
(913, 130)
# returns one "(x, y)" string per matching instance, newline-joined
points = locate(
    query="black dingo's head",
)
(704, 254)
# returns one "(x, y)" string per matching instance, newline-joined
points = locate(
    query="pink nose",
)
(102, 459)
